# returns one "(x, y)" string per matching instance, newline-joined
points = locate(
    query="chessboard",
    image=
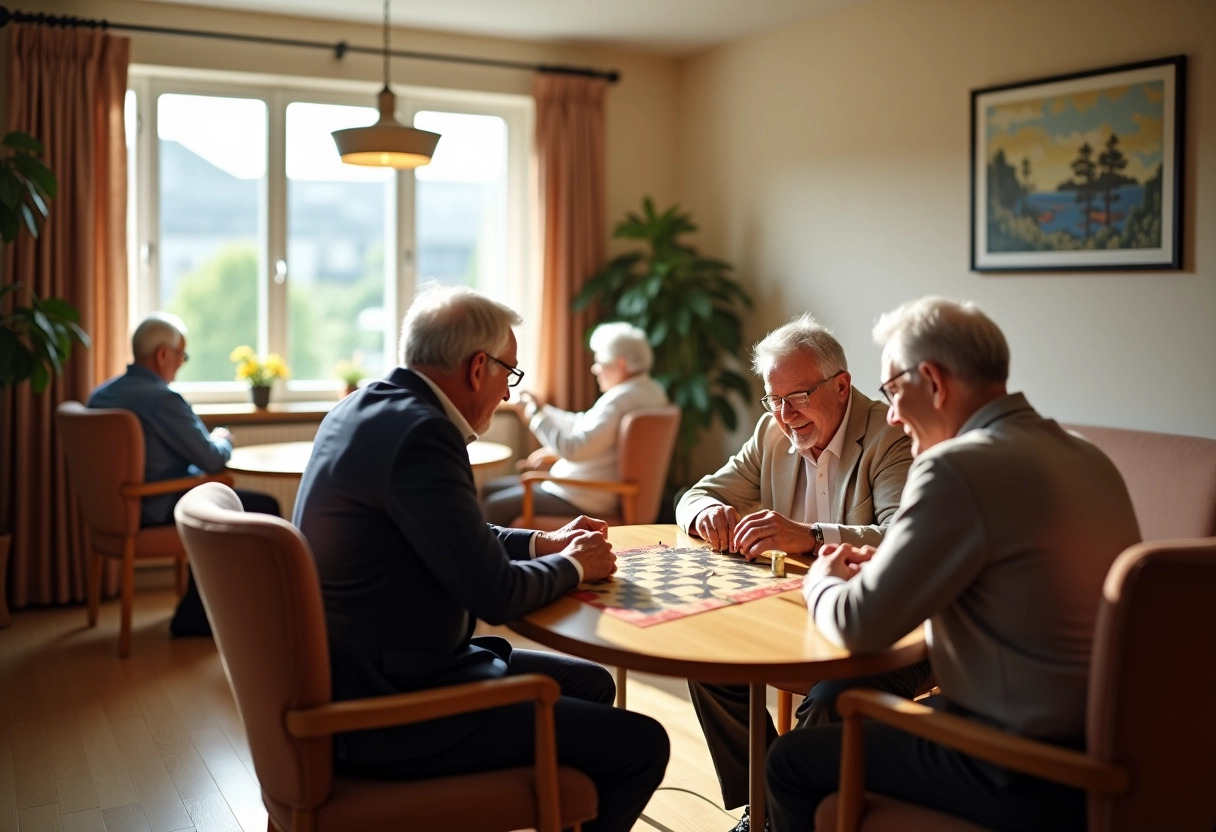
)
(661, 583)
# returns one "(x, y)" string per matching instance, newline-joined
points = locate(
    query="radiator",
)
(282, 489)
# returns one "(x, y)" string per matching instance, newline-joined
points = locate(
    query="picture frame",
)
(1079, 171)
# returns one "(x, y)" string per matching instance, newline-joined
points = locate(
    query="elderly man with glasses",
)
(408, 564)
(823, 466)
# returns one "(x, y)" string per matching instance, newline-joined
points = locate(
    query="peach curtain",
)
(571, 196)
(66, 88)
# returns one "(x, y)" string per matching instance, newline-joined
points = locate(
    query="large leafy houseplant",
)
(689, 306)
(35, 339)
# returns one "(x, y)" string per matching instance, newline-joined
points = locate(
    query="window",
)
(248, 226)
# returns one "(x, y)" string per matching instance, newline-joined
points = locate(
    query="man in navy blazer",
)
(408, 564)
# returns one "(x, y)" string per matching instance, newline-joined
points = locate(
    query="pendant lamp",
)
(387, 143)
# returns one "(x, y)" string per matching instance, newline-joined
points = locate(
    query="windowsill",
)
(244, 413)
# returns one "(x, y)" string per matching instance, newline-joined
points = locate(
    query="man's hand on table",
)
(585, 540)
(716, 526)
(839, 560)
(761, 531)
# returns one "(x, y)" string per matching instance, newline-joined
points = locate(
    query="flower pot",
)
(260, 396)
(351, 387)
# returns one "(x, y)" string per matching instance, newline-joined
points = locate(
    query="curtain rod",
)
(340, 49)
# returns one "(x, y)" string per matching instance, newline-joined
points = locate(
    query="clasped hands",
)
(584, 539)
(722, 528)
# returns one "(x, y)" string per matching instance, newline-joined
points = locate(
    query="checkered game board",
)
(661, 583)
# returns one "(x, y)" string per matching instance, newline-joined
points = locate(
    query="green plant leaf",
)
(35, 170)
(31, 224)
(10, 224)
(21, 141)
(731, 380)
(11, 188)
(39, 377)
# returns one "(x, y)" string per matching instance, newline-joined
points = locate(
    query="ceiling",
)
(674, 27)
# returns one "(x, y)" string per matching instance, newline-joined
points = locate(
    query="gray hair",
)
(153, 331)
(801, 334)
(955, 335)
(446, 324)
(618, 339)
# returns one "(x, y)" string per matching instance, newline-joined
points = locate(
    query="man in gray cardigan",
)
(1003, 539)
(823, 466)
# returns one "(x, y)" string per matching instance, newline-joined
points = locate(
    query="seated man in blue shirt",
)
(176, 443)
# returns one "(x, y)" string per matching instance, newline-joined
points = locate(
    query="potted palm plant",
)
(690, 307)
(36, 337)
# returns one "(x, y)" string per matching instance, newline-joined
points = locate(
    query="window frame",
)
(150, 82)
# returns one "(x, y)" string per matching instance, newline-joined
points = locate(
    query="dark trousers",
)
(722, 711)
(190, 619)
(624, 753)
(502, 500)
(804, 767)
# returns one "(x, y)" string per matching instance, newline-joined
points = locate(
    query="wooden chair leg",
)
(128, 599)
(621, 674)
(785, 711)
(97, 567)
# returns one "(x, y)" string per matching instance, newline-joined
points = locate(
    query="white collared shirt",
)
(820, 475)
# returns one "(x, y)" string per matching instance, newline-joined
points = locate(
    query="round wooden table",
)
(288, 459)
(765, 640)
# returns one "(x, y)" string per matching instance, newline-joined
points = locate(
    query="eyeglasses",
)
(885, 387)
(516, 374)
(795, 400)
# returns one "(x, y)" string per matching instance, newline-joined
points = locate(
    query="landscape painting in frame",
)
(1079, 171)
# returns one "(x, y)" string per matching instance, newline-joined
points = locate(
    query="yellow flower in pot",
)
(351, 372)
(259, 372)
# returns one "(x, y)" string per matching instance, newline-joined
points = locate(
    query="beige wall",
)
(641, 114)
(829, 161)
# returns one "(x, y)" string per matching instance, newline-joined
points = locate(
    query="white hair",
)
(446, 324)
(802, 333)
(159, 328)
(955, 335)
(618, 339)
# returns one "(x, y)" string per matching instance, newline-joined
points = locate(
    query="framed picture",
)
(1079, 171)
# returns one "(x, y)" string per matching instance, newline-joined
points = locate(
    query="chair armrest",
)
(406, 708)
(419, 706)
(529, 478)
(1029, 756)
(627, 490)
(149, 489)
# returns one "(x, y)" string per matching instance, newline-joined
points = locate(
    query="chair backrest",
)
(647, 439)
(104, 450)
(260, 587)
(1152, 687)
(1171, 478)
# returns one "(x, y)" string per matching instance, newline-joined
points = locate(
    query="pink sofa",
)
(1171, 478)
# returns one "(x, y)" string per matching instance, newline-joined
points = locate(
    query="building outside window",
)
(247, 225)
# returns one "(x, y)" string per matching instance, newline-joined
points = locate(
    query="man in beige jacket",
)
(823, 466)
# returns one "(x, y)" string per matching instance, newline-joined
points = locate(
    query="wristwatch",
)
(817, 533)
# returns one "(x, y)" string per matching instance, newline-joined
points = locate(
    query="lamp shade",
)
(387, 143)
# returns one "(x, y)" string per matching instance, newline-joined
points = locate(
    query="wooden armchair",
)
(259, 586)
(647, 439)
(1150, 761)
(104, 450)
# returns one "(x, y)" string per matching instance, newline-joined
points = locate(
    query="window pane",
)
(461, 204)
(212, 188)
(339, 226)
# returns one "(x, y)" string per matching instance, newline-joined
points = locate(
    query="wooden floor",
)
(91, 742)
